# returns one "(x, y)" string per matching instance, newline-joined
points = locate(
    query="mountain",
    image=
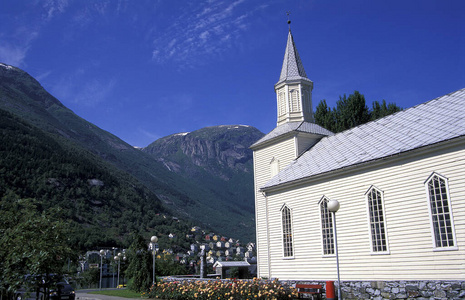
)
(219, 160)
(172, 192)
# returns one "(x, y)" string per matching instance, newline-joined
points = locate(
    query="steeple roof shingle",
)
(293, 68)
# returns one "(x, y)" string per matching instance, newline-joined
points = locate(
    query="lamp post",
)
(118, 259)
(333, 206)
(153, 241)
(113, 268)
(102, 252)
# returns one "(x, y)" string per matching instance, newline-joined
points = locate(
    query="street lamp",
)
(118, 259)
(102, 252)
(113, 268)
(333, 206)
(153, 242)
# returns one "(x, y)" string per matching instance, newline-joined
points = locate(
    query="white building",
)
(400, 181)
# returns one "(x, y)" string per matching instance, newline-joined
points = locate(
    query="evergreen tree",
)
(139, 270)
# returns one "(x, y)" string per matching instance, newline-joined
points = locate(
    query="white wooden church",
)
(400, 182)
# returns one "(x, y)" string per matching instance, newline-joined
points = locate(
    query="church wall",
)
(410, 239)
(284, 152)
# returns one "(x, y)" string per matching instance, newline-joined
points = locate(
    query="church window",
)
(295, 100)
(274, 166)
(281, 104)
(440, 211)
(327, 232)
(286, 215)
(378, 234)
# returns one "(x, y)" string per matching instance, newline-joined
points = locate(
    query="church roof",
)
(293, 68)
(435, 121)
(293, 127)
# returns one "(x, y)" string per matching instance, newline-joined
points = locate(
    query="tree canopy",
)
(351, 111)
(32, 241)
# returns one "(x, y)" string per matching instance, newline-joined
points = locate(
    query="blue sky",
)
(146, 69)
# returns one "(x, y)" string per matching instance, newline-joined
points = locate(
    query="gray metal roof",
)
(293, 127)
(425, 124)
(240, 263)
(292, 68)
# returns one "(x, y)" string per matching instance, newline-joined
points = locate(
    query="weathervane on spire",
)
(288, 19)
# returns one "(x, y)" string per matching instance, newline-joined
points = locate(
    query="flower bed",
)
(222, 289)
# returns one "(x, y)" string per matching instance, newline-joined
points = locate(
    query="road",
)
(83, 295)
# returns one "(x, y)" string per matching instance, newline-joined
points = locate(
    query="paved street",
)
(83, 295)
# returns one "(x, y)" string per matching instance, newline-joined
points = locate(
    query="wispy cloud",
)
(79, 88)
(54, 7)
(200, 31)
(18, 36)
(12, 54)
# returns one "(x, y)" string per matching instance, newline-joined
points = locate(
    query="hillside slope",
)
(217, 158)
(23, 96)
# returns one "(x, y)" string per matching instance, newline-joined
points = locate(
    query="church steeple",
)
(294, 89)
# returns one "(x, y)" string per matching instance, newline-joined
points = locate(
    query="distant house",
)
(400, 182)
(220, 245)
(195, 229)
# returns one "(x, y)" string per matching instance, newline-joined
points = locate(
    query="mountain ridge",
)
(23, 96)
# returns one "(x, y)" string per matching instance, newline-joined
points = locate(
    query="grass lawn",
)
(118, 293)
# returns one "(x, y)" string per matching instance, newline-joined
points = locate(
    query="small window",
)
(327, 232)
(288, 250)
(274, 166)
(440, 212)
(378, 234)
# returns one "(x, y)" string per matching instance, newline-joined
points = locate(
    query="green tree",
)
(324, 116)
(350, 112)
(139, 271)
(383, 109)
(31, 242)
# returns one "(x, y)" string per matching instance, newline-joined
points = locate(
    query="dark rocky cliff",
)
(221, 151)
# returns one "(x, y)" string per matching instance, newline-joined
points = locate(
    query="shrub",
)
(222, 289)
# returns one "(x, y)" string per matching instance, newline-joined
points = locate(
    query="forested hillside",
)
(103, 204)
(180, 196)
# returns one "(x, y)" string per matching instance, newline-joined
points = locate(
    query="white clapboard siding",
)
(411, 252)
(285, 153)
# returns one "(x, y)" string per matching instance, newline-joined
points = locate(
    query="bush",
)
(222, 289)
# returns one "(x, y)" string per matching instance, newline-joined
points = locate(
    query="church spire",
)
(292, 65)
(294, 89)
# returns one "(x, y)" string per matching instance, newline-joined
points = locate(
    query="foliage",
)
(223, 289)
(90, 277)
(166, 266)
(32, 241)
(350, 112)
(101, 203)
(383, 109)
(139, 271)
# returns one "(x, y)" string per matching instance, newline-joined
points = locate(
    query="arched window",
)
(286, 215)
(442, 222)
(327, 232)
(378, 233)
(274, 166)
